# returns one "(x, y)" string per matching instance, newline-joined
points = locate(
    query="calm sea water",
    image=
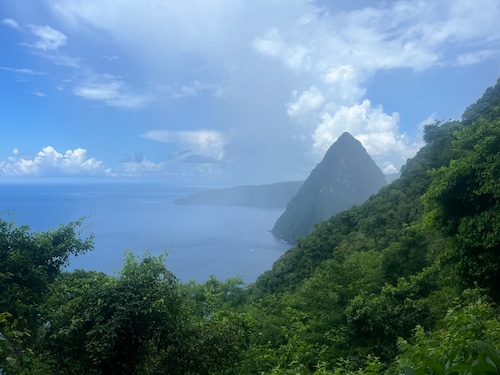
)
(200, 240)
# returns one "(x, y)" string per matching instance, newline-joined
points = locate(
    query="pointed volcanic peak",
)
(346, 176)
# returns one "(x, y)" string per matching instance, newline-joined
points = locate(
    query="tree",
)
(128, 324)
(30, 262)
(463, 342)
(12, 352)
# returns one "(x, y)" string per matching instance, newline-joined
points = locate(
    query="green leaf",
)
(408, 370)
(490, 351)
(483, 368)
(437, 367)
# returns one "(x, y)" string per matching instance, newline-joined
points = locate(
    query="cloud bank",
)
(49, 162)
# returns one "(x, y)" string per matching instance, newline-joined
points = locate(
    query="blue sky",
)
(231, 91)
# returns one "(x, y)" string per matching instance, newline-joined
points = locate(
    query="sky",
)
(231, 91)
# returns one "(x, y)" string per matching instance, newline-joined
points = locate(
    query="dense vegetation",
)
(406, 282)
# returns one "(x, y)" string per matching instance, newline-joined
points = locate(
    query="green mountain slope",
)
(413, 253)
(374, 224)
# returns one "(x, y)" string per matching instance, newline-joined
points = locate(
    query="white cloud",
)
(11, 23)
(49, 38)
(105, 88)
(376, 130)
(306, 102)
(160, 34)
(111, 91)
(143, 168)
(384, 35)
(49, 162)
(475, 57)
(195, 88)
(66, 61)
(22, 71)
(344, 84)
(110, 58)
(295, 56)
(192, 90)
(346, 49)
(206, 143)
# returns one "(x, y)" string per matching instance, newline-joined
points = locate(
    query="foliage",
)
(215, 330)
(463, 342)
(12, 352)
(107, 325)
(30, 261)
(487, 107)
(464, 203)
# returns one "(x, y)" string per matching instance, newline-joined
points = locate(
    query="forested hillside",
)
(406, 282)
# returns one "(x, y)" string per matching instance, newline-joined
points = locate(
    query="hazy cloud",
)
(206, 143)
(143, 168)
(23, 71)
(11, 23)
(49, 39)
(194, 89)
(111, 91)
(198, 159)
(296, 56)
(475, 57)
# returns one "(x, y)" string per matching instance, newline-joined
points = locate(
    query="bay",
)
(200, 240)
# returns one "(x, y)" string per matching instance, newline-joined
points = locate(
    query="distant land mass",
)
(275, 195)
(346, 176)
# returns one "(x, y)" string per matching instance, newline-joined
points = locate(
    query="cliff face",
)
(345, 177)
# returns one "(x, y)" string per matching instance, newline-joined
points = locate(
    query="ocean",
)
(200, 240)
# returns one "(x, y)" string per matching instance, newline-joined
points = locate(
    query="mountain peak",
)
(346, 176)
(345, 135)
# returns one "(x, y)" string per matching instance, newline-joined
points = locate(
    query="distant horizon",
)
(195, 182)
(188, 180)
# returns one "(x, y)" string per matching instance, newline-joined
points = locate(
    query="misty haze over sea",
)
(201, 240)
